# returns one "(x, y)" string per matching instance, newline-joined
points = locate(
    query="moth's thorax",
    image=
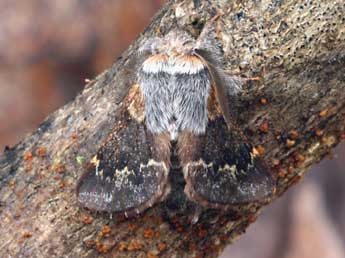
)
(175, 89)
(173, 63)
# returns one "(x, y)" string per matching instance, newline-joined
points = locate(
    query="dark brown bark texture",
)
(294, 115)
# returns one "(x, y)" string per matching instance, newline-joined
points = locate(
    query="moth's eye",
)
(197, 50)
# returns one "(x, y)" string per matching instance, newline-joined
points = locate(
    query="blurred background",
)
(49, 47)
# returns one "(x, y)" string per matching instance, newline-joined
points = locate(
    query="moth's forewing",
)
(129, 172)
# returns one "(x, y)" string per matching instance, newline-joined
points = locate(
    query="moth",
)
(184, 96)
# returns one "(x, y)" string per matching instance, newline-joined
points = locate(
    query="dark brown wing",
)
(130, 171)
(221, 169)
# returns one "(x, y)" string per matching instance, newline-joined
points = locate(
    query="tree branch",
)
(294, 116)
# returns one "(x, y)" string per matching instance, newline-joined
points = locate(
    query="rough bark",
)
(294, 115)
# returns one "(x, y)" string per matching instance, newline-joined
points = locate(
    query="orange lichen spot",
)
(59, 168)
(132, 227)
(26, 235)
(62, 185)
(151, 255)
(122, 246)
(264, 127)
(86, 219)
(57, 177)
(102, 248)
(105, 231)
(41, 152)
(260, 150)
(74, 136)
(323, 113)
(293, 135)
(290, 143)
(17, 214)
(263, 101)
(318, 132)
(161, 246)
(149, 233)
(134, 246)
(27, 155)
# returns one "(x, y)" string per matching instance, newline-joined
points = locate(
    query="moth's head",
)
(175, 42)
(178, 42)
